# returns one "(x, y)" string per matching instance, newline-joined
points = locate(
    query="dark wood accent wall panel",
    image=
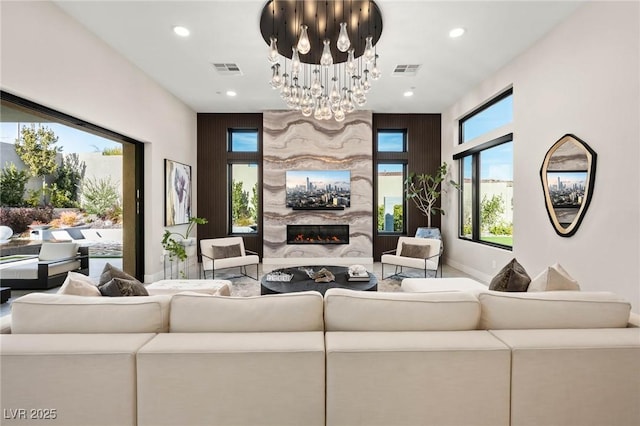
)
(423, 146)
(213, 198)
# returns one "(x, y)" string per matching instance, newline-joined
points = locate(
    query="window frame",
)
(231, 131)
(475, 153)
(480, 109)
(405, 166)
(133, 165)
(388, 131)
(243, 157)
(392, 157)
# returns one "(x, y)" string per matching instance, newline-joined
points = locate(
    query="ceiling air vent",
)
(227, 69)
(406, 69)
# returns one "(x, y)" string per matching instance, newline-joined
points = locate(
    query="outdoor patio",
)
(96, 265)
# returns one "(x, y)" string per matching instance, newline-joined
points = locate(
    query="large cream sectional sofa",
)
(350, 358)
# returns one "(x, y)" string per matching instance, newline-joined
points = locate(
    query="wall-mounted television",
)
(318, 189)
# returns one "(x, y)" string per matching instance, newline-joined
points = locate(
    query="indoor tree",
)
(425, 189)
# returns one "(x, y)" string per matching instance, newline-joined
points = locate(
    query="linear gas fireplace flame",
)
(317, 234)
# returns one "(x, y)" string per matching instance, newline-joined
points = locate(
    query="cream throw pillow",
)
(554, 278)
(78, 284)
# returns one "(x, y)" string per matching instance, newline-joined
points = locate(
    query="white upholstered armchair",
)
(415, 253)
(227, 252)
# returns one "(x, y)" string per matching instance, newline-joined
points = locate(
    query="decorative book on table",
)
(358, 276)
(357, 273)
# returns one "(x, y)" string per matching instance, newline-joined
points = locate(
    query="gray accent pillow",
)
(118, 287)
(419, 251)
(512, 277)
(110, 272)
(222, 252)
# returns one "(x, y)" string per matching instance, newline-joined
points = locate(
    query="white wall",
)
(581, 78)
(49, 58)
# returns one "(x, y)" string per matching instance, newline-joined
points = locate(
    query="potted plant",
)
(174, 243)
(425, 189)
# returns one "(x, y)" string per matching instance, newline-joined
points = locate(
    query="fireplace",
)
(317, 234)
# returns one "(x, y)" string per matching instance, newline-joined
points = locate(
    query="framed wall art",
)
(177, 193)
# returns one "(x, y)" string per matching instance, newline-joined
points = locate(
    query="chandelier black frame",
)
(309, 81)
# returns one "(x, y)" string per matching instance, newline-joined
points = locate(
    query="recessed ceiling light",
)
(456, 32)
(231, 93)
(408, 93)
(181, 31)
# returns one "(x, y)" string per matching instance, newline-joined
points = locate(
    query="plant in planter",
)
(174, 242)
(425, 189)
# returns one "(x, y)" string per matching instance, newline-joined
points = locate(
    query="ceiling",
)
(415, 32)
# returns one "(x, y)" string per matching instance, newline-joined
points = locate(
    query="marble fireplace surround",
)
(317, 234)
(293, 142)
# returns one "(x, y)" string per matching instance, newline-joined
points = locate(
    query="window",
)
(244, 192)
(487, 194)
(496, 194)
(97, 172)
(391, 141)
(489, 117)
(243, 141)
(244, 198)
(486, 176)
(390, 197)
(467, 202)
(391, 174)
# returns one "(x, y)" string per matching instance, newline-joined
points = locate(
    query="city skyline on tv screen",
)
(318, 189)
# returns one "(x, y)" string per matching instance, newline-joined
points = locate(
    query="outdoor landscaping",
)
(51, 191)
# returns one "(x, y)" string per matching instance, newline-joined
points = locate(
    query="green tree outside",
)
(101, 197)
(66, 187)
(254, 203)
(490, 211)
(36, 148)
(240, 212)
(397, 218)
(12, 186)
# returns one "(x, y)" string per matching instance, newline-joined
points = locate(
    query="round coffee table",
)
(302, 282)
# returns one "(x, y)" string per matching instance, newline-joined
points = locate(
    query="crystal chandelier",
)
(322, 54)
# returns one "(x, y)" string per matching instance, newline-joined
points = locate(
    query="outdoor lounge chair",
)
(48, 269)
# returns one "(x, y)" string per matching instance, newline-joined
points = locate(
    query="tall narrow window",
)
(244, 198)
(486, 173)
(244, 190)
(496, 194)
(391, 174)
(467, 199)
(390, 197)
